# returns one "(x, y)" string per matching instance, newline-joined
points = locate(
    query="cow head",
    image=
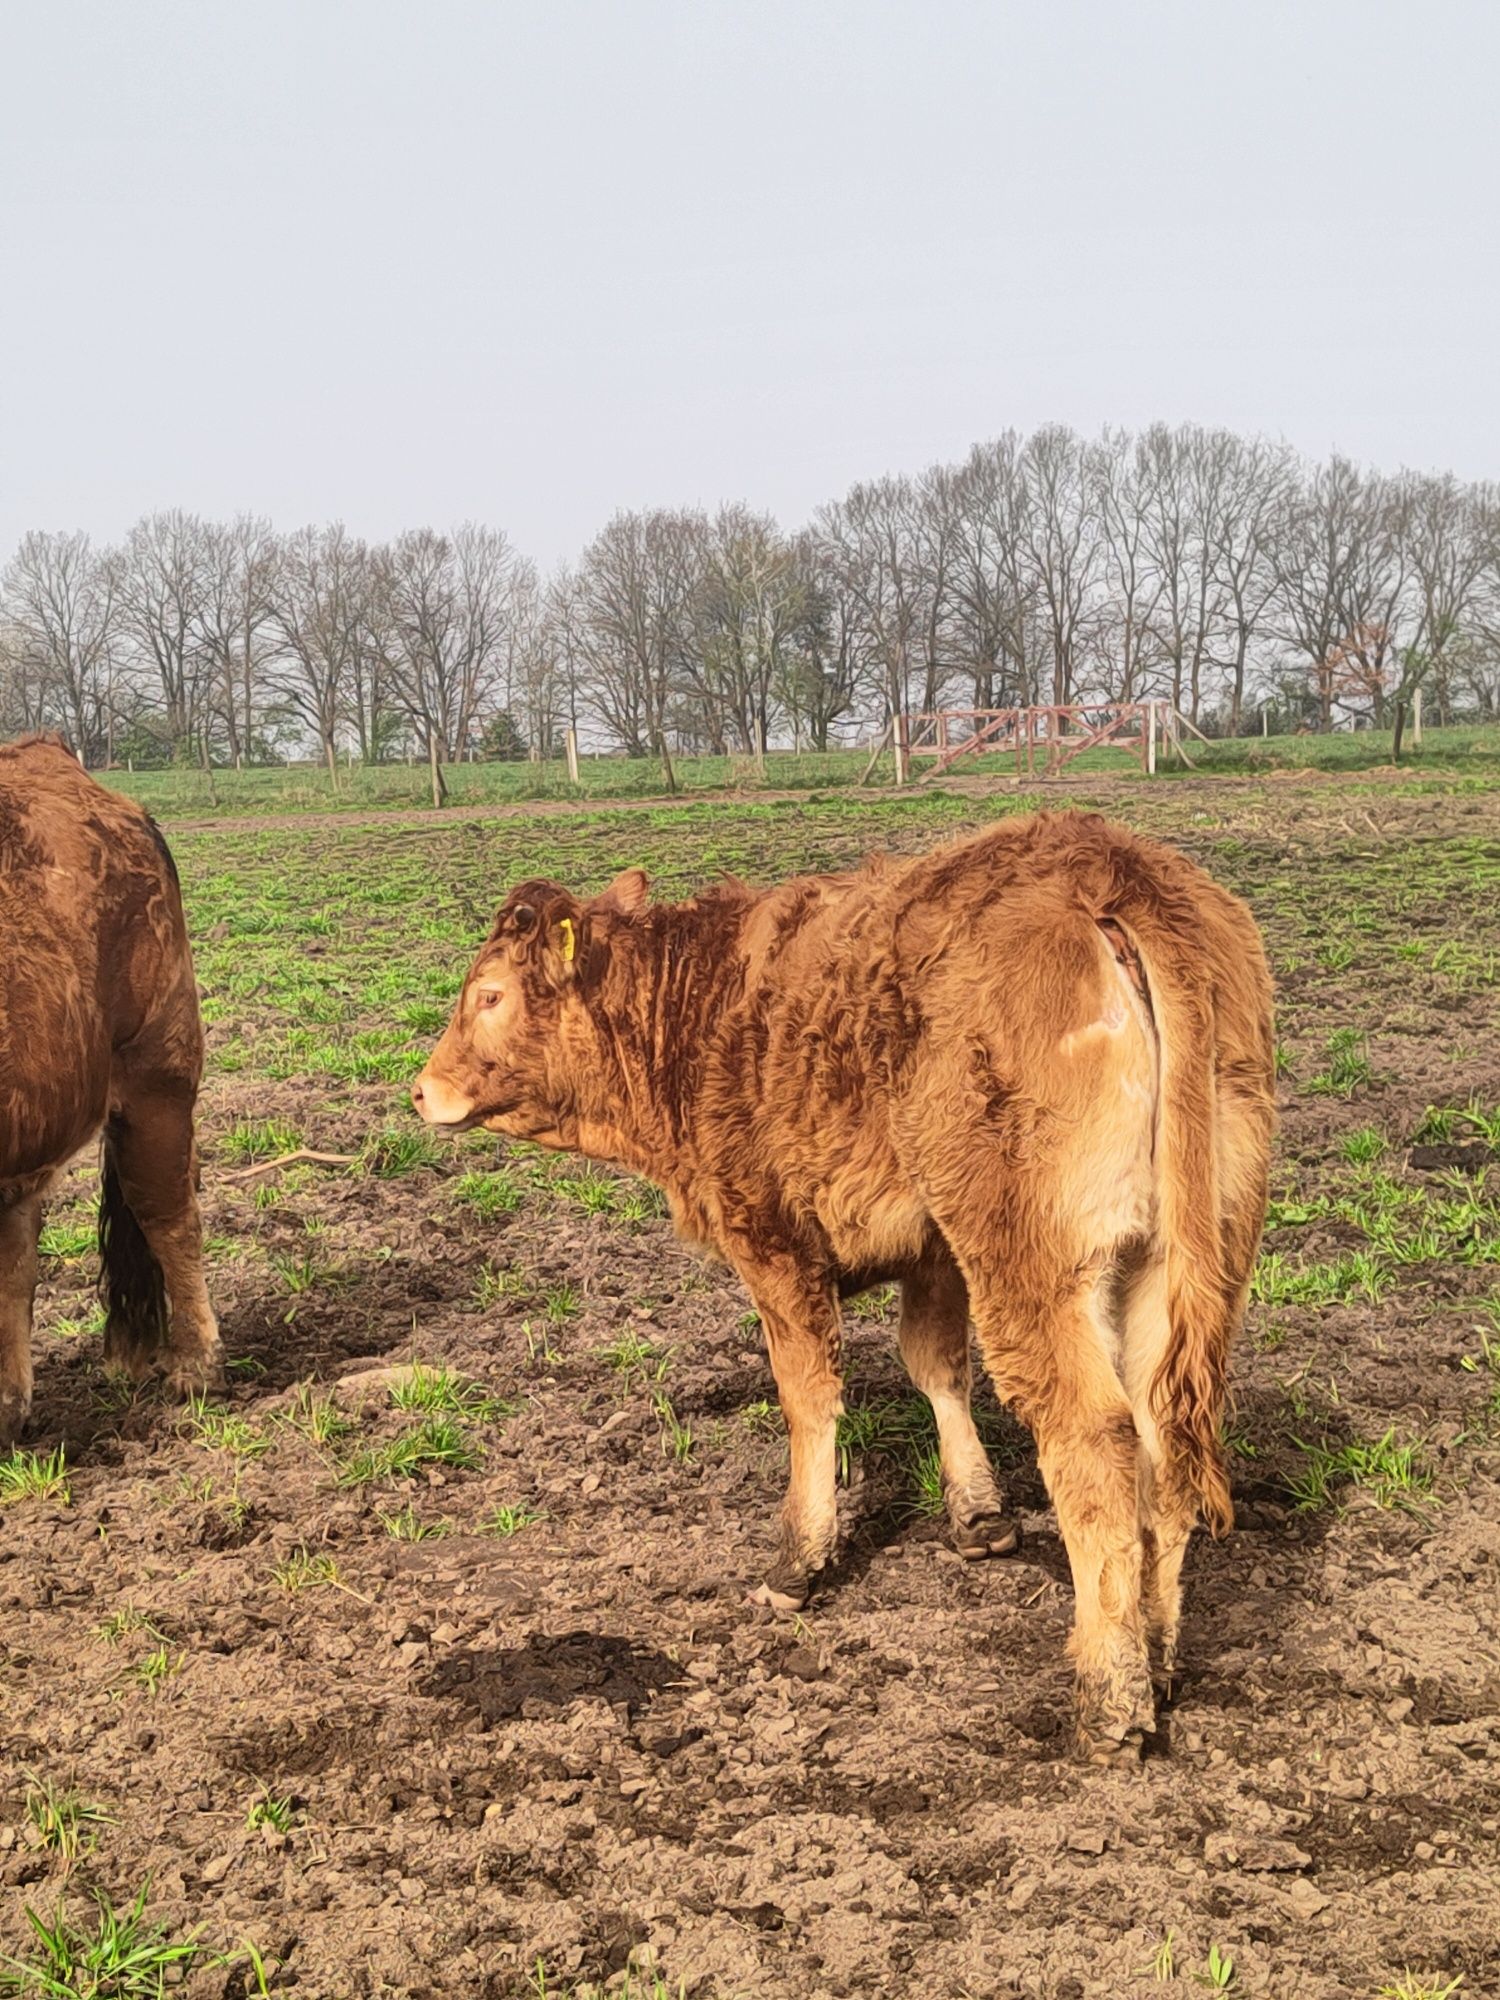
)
(509, 1058)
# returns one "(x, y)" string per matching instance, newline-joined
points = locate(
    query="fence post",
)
(571, 741)
(1265, 720)
(902, 748)
(1416, 719)
(1150, 739)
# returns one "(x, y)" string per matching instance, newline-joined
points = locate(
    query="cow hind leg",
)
(934, 1339)
(1048, 1346)
(20, 1225)
(158, 1318)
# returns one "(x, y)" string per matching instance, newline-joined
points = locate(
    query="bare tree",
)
(1063, 544)
(994, 583)
(1367, 662)
(1180, 473)
(823, 668)
(745, 611)
(870, 544)
(637, 587)
(1130, 578)
(163, 594)
(321, 612)
(1447, 545)
(1315, 551)
(1245, 502)
(535, 690)
(237, 621)
(447, 605)
(59, 607)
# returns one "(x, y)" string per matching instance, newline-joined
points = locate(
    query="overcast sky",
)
(528, 263)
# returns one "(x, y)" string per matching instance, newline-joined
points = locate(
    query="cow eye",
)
(489, 996)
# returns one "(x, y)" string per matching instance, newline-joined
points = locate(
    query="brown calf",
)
(1028, 1075)
(98, 1027)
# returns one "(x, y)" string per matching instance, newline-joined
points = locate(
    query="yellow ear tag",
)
(569, 945)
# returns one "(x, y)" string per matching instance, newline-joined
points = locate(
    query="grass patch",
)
(489, 1194)
(1394, 1474)
(560, 1302)
(1362, 1148)
(437, 1440)
(151, 1672)
(218, 1429)
(30, 1475)
(1486, 1365)
(69, 1242)
(302, 1570)
(304, 1270)
(634, 1985)
(266, 1810)
(440, 1389)
(1280, 1282)
(387, 1155)
(251, 1140)
(507, 1521)
(317, 1418)
(120, 1957)
(1348, 1068)
(676, 1436)
(596, 1193)
(120, 1624)
(407, 1526)
(901, 1426)
(63, 1823)
(633, 1357)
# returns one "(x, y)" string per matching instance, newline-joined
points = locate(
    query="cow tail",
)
(131, 1282)
(1187, 1393)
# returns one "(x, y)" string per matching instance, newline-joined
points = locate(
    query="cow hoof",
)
(778, 1600)
(1117, 1753)
(14, 1410)
(987, 1535)
(189, 1375)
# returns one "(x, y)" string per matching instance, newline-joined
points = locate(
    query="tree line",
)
(1225, 573)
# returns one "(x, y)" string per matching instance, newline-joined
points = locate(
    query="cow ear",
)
(626, 894)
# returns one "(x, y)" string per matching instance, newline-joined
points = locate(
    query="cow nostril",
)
(416, 1093)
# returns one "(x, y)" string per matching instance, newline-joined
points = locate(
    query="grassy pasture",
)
(1473, 753)
(415, 1663)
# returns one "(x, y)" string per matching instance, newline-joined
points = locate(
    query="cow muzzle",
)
(438, 1103)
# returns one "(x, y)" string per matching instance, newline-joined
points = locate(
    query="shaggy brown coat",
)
(99, 1027)
(1028, 1075)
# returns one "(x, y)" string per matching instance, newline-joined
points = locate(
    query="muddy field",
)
(438, 1681)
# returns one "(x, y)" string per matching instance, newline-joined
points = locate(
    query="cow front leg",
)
(20, 1225)
(801, 1322)
(935, 1347)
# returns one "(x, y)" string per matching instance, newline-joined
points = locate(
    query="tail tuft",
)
(130, 1280)
(1188, 1394)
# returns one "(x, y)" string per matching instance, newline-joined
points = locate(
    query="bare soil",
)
(577, 1744)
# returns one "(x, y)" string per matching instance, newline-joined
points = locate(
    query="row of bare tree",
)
(1217, 570)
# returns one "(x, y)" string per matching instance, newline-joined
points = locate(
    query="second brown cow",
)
(1028, 1076)
(99, 1028)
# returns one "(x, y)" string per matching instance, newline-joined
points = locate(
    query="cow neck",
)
(674, 974)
